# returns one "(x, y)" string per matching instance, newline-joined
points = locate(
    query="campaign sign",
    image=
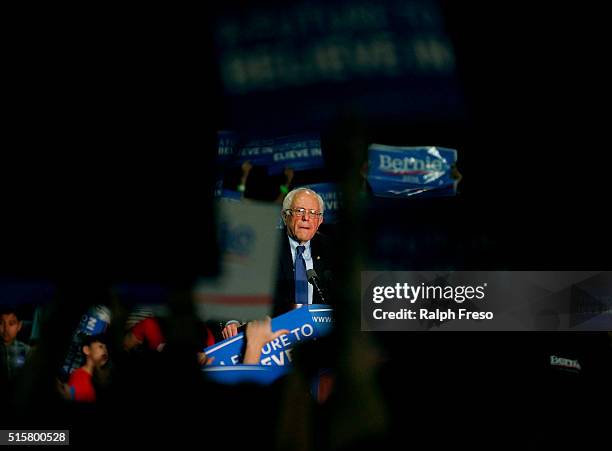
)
(259, 152)
(411, 171)
(331, 198)
(249, 259)
(304, 324)
(227, 142)
(245, 374)
(299, 152)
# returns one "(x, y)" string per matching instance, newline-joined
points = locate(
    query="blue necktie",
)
(301, 281)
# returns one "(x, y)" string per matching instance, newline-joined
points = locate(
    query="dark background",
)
(109, 115)
(108, 147)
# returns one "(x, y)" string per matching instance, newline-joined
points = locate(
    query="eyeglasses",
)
(303, 211)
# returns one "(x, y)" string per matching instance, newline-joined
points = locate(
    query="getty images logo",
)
(409, 165)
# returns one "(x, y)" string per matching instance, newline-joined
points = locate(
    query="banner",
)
(304, 324)
(249, 258)
(299, 152)
(226, 150)
(411, 171)
(257, 151)
(245, 374)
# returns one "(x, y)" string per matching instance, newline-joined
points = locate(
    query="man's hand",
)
(230, 330)
(258, 334)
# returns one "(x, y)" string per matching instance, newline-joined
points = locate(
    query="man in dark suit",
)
(302, 248)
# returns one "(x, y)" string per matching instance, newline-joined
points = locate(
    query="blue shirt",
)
(15, 355)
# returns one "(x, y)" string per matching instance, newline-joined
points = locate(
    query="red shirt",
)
(148, 331)
(210, 338)
(81, 386)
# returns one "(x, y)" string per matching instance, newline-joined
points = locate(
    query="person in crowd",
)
(14, 352)
(80, 386)
(146, 333)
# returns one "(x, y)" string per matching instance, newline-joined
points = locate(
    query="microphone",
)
(313, 278)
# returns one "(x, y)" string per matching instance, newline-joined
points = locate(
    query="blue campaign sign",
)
(304, 324)
(299, 152)
(332, 199)
(411, 171)
(258, 151)
(227, 142)
(256, 374)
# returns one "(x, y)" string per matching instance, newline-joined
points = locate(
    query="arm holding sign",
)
(246, 170)
(231, 329)
(258, 334)
(284, 188)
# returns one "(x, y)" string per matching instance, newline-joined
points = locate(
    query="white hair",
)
(288, 201)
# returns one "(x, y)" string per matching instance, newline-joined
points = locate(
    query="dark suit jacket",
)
(284, 298)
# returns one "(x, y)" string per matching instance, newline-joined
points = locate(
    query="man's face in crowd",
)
(303, 227)
(97, 353)
(9, 327)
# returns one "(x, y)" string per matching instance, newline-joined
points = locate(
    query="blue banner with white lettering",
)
(304, 324)
(332, 198)
(227, 142)
(245, 374)
(299, 152)
(257, 151)
(411, 171)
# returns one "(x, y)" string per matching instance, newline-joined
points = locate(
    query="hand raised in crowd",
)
(288, 175)
(230, 330)
(258, 334)
(246, 167)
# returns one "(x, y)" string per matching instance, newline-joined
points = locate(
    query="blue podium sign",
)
(245, 374)
(304, 324)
